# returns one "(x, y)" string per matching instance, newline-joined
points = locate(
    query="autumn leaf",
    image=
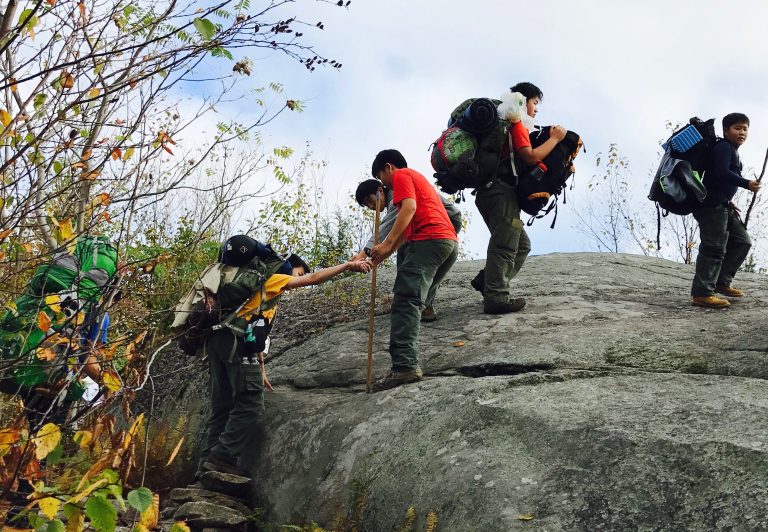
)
(49, 506)
(179, 526)
(14, 84)
(101, 199)
(119, 121)
(116, 154)
(83, 438)
(76, 521)
(149, 517)
(111, 380)
(46, 440)
(66, 79)
(133, 82)
(66, 230)
(5, 117)
(86, 155)
(166, 148)
(87, 491)
(90, 176)
(175, 452)
(8, 437)
(525, 517)
(128, 153)
(93, 93)
(45, 353)
(4, 234)
(43, 321)
(106, 217)
(458, 344)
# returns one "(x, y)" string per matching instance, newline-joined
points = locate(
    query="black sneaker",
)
(478, 283)
(504, 307)
(220, 464)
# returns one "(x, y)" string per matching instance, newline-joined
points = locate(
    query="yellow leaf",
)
(44, 353)
(7, 438)
(5, 117)
(27, 247)
(458, 344)
(46, 440)
(180, 526)
(65, 228)
(79, 317)
(83, 438)
(14, 84)
(150, 515)
(87, 491)
(175, 451)
(49, 506)
(525, 517)
(43, 321)
(52, 301)
(93, 93)
(101, 199)
(128, 153)
(111, 380)
(76, 522)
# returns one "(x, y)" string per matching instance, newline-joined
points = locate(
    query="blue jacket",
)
(723, 177)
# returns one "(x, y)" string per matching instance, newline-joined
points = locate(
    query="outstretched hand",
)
(360, 266)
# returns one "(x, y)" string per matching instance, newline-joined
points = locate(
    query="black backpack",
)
(468, 153)
(678, 186)
(538, 190)
(207, 313)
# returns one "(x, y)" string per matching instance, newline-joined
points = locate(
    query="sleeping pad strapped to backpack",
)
(65, 290)
(677, 186)
(468, 153)
(535, 186)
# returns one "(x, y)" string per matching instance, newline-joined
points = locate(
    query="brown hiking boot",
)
(504, 307)
(221, 464)
(709, 302)
(396, 378)
(728, 291)
(428, 315)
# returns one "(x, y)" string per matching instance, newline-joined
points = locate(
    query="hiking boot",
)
(478, 283)
(396, 378)
(428, 315)
(709, 302)
(728, 291)
(220, 464)
(504, 307)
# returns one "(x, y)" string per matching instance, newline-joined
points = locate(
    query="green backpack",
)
(65, 290)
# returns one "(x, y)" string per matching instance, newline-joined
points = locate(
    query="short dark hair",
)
(384, 157)
(365, 189)
(733, 119)
(297, 262)
(529, 90)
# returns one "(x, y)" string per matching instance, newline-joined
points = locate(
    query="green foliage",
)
(101, 513)
(205, 28)
(140, 498)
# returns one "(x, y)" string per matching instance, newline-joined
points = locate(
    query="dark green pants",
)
(509, 245)
(425, 264)
(237, 396)
(429, 300)
(724, 246)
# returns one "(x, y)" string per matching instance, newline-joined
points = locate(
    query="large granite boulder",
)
(608, 403)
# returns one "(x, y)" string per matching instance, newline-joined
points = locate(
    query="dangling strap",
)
(658, 227)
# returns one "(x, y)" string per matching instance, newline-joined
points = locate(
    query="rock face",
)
(608, 403)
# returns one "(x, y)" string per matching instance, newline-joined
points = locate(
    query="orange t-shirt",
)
(520, 136)
(430, 221)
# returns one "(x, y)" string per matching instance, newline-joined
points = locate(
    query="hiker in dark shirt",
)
(725, 243)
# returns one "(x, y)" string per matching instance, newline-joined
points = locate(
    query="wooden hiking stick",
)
(372, 310)
(754, 195)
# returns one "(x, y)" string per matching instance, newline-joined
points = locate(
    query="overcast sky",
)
(615, 72)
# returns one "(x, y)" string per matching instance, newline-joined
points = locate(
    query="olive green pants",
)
(424, 265)
(724, 246)
(509, 245)
(237, 396)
